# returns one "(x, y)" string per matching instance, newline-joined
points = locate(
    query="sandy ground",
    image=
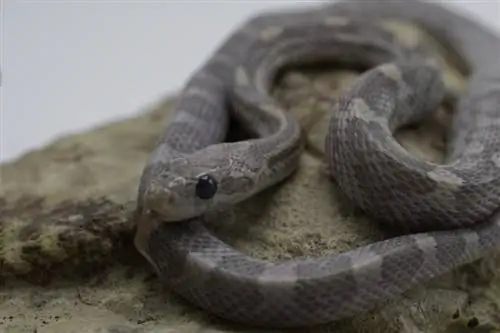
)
(67, 263)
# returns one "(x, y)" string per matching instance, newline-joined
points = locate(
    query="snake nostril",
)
(170, 198)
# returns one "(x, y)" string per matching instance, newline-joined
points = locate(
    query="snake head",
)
(190, 185)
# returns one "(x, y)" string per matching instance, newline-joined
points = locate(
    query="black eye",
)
(206, 187)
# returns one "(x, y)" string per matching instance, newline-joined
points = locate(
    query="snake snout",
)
(159, 199)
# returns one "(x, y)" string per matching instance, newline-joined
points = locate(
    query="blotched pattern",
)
(450, 207)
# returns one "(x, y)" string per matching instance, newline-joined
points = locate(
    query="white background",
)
(70, 65)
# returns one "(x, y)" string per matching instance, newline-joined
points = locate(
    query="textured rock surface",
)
(67, 263)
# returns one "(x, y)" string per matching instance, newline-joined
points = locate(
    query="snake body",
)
(446, 212)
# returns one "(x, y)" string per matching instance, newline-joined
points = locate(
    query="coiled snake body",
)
(449, 208)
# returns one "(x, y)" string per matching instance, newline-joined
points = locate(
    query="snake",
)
(446, 213)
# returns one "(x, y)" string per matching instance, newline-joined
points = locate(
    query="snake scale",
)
(446, 212)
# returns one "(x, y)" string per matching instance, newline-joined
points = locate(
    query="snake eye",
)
(206, 187)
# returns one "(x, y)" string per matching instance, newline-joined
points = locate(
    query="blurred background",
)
(71, 65)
